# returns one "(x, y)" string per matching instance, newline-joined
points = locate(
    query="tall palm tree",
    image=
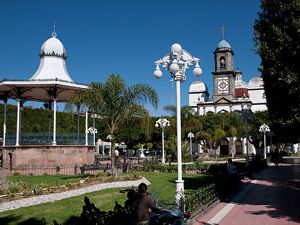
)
(115, 103)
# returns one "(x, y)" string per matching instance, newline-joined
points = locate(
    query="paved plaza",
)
(271, 198)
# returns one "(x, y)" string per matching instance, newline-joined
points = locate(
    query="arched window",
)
(222, 62)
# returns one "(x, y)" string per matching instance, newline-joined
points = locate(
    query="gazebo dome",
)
(53, 61)
(223, 44)
(53, 46)
(198, 87)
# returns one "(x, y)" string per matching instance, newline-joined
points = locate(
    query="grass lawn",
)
(68, 210)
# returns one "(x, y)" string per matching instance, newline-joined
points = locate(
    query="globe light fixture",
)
(177, 62)
(93, 131)
(264, 129)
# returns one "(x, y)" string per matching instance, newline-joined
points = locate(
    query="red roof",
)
(241, 92)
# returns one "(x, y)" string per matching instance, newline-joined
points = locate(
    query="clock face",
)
(222, 85)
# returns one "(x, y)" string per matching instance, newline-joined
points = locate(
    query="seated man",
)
(145, 206)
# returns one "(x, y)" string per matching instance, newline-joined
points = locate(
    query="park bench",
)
(91, 215)
(94, 167)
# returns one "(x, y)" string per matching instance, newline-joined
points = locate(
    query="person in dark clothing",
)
(131, 198)
(276, 157)
(145, 205)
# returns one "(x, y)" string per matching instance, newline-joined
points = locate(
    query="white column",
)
(94, 126)
(163, 145)
(4, 121)
(54, 122)
(179, 181)
(18, 123)
(86, 127)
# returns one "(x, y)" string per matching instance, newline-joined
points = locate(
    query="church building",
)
(230, 92)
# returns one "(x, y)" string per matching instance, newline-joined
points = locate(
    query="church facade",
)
(230, 92)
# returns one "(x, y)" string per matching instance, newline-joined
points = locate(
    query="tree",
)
(116, 103)
(189, 121)
(277, 35)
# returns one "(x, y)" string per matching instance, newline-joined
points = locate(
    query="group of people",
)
(146, 211)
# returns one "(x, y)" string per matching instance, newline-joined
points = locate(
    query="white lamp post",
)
(177, 62)
(264, 128)
(191, 135)
(110, 137)
(93, 131)
(162, 123)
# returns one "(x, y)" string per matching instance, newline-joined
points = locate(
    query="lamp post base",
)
(179, 196)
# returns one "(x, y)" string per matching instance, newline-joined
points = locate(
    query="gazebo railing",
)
(46, 139)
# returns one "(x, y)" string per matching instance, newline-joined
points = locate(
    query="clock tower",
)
(223, 76)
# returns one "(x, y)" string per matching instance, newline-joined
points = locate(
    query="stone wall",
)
(47, 156)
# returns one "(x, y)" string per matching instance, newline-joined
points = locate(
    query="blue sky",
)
(126, 37)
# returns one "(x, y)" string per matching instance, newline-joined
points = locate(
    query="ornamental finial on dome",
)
(54, 34)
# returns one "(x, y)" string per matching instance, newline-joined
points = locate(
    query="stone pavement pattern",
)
(67, 194)
(272, 198)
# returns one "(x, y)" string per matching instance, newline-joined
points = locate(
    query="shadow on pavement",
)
(278, 189)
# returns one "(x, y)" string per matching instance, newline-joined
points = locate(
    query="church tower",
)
(223, 75)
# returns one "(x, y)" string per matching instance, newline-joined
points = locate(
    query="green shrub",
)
(2, 192)
(15, 187)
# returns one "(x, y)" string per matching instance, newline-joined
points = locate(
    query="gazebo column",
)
(86, 127)
(54, 122)
(4, 121)
(78, 122)
(18, 122)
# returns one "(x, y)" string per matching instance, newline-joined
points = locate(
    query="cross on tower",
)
(223, 32)
(54, 31)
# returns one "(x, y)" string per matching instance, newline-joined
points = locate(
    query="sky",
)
(125, 37)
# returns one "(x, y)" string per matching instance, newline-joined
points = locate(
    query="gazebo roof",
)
(40, 90)
(50, 81)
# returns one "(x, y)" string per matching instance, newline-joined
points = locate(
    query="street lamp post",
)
(162, 123)
(177, 62)
(110, 137)
(191, 135)
(93, 131)
(264, 128)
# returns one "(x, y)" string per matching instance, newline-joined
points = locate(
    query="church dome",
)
(256, 82)
(53, 47)
(223, 44)
(198, 87)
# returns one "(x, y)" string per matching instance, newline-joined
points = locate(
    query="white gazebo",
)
(51, 83)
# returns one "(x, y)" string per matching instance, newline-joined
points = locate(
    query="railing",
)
(50, 170)
(201, 199)
(47, 138)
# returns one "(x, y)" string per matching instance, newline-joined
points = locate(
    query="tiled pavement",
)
(271, 198)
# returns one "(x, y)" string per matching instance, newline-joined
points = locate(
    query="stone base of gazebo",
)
(47, 159)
